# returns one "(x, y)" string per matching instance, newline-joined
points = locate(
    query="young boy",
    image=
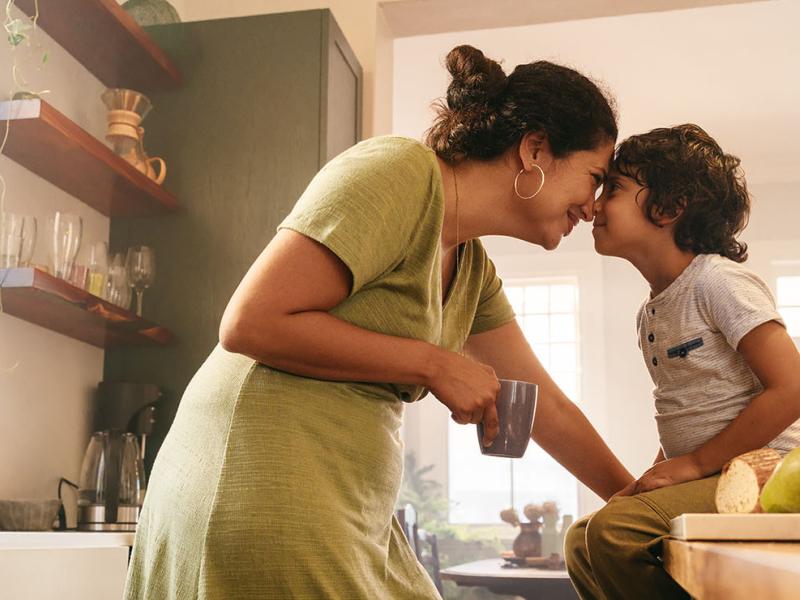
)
(726, 373)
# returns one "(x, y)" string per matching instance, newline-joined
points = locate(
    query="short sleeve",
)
(639, 314)
(365, 205)
(737, 301)
(493, 308)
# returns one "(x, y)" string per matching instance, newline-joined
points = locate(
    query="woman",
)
(279, 475)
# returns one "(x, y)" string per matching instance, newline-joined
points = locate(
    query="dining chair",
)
(417, 538)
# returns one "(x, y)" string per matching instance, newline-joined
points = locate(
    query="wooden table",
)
(531, 584)
(735, 570)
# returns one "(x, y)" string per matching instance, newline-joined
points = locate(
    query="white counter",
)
(19, 540)
(63, 565)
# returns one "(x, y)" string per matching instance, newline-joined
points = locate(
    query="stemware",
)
(141, 266)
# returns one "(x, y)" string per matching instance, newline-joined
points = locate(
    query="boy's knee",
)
(605, 530)
(575, 541)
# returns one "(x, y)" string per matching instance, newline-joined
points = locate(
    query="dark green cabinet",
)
(265, 102)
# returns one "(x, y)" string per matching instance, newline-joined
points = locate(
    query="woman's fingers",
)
(476, 416)
(491, 425)
(461, 418)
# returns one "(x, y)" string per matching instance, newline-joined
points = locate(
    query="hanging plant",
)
(19, 31)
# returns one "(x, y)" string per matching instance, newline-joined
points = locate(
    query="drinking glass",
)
(65, 240)
(98, 269)
(141, 264)
(117, 290)
(78, 275)
(10, 240)
(28, 240)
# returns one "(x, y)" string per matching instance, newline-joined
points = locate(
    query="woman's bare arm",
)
(560, 427)
(279, 316)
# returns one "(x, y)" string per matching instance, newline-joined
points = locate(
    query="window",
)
(788, 297)
(480, 486)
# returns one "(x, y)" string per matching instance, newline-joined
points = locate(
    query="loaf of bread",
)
(742, 478)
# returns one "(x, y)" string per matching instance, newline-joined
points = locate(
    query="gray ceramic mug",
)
(516, 407)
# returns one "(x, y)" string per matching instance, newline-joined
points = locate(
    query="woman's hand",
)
(469, 389)
(668, 472)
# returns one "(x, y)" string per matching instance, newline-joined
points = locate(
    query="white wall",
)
(46, 379)
(729, 68)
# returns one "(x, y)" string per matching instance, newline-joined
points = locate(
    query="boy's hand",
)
(669, 472)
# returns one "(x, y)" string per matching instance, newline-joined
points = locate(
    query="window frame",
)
(781, 269)
(549, 279)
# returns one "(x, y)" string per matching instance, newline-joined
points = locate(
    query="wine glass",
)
(141, 265)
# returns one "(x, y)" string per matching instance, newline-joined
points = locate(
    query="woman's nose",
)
(587, 210)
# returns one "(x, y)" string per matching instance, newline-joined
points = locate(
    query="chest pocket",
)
(682, 350)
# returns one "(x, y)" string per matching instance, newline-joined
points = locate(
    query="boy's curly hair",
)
(688, 174)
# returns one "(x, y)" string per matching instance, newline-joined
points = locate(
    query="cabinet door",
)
(342, 85)
(63, 573)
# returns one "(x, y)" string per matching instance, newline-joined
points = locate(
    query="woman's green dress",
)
(273, 485)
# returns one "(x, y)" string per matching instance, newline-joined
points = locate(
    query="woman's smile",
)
(572, 222)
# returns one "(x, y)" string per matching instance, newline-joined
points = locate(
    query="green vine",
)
(18, 32)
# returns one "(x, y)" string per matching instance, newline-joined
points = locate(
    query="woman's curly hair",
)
(689, 176)
(485, 112)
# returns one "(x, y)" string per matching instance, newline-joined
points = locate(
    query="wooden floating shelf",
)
(107, 41)
(45, 300)
(46, 142)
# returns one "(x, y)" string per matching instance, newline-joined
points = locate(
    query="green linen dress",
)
(274, 485)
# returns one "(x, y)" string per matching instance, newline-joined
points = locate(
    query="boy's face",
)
(620, 225)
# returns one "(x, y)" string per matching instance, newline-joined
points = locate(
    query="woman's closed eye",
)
(599, 185)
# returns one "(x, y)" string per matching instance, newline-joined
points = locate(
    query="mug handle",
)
(162, 171)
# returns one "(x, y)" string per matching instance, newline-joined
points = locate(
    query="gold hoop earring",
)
(516, 183)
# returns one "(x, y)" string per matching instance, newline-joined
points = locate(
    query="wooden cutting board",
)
(760, 526)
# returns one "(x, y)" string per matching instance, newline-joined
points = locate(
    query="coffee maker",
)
(113, 482)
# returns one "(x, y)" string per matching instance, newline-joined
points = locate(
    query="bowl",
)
(28, 515)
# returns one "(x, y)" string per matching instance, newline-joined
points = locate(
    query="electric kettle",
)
(112, 484)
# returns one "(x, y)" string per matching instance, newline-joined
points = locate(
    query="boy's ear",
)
(663, 217)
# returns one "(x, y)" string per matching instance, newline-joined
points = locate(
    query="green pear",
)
(781, 493)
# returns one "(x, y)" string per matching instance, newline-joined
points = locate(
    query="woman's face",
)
(567, 195)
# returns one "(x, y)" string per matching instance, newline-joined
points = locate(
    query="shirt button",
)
(652, 311)
(655, 361)
(651, 337)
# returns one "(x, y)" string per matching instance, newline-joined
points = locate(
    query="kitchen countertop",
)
(735, 570)
(24, 540)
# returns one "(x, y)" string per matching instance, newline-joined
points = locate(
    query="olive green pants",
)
(615, 553)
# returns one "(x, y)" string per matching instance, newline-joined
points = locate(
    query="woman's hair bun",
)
(487, 112)
(476, 78)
